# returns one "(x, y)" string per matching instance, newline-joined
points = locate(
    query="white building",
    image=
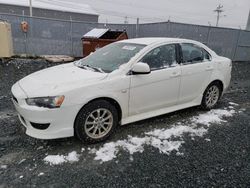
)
(50, 9)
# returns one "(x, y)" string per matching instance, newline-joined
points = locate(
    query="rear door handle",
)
(175, 74)
(209, 68)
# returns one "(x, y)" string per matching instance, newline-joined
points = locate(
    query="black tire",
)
(85, 112)
(204, 103)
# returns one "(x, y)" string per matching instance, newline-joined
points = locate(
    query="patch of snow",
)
(177, 131)
(107, 152)
(22, 161)
(131, 158)
(159, 138)
(234, 104)
(40, 147)
(41, 174)
(208, 140)
(3, 166)
(162, 139)
(179, 153)
(134, 144)
(2, 97)
(55, 159)
(213, 116)
(59, 159)
(232, 111)
(72, 157)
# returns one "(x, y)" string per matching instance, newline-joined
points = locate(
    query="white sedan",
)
(124, 82)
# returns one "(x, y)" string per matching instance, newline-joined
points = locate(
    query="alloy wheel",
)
(212, 96)
(98, 123)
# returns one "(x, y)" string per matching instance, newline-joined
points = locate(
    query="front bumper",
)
(60, 120)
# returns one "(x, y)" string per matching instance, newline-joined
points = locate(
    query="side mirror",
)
(141, 68)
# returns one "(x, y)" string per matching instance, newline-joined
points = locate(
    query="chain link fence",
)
(48, 36)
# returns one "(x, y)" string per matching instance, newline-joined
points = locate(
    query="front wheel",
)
(96, 121)
(211, 96)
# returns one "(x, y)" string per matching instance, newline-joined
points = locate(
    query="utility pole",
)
(126, 20)
(169, 19)
(218, 10)
(31, 8)
(248, 23)
(106, 23)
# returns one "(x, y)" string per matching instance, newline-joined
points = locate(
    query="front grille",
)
(14, 98)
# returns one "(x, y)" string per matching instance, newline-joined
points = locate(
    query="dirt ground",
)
(219, 159)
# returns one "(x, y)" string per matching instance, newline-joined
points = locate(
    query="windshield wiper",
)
(97, 69)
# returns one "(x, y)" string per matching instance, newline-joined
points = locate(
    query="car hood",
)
(57, 79)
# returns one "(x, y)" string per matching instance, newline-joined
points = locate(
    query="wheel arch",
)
(110, 100)
(219, 82)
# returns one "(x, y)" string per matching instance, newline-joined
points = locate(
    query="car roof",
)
(158, 40)
(155, 40)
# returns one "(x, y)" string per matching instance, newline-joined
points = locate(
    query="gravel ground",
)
(221, 158)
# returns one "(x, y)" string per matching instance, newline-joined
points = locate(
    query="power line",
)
(62, 4)
(126, 20)
(122, 15)
(128, 17)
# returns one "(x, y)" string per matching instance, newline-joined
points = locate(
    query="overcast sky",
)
(187, 11)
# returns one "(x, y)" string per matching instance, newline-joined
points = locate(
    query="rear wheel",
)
(211, 96)
(96, 121)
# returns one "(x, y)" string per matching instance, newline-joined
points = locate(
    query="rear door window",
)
(192, 53)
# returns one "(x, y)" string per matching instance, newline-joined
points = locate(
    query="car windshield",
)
(110, 57)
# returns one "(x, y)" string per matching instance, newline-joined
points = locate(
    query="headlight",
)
(47, 102)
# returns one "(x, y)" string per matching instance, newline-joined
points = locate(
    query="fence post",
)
(25, 36)
(208, 34)
(137, 28)
(237, 43)
(170, 29)
(71, 36)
